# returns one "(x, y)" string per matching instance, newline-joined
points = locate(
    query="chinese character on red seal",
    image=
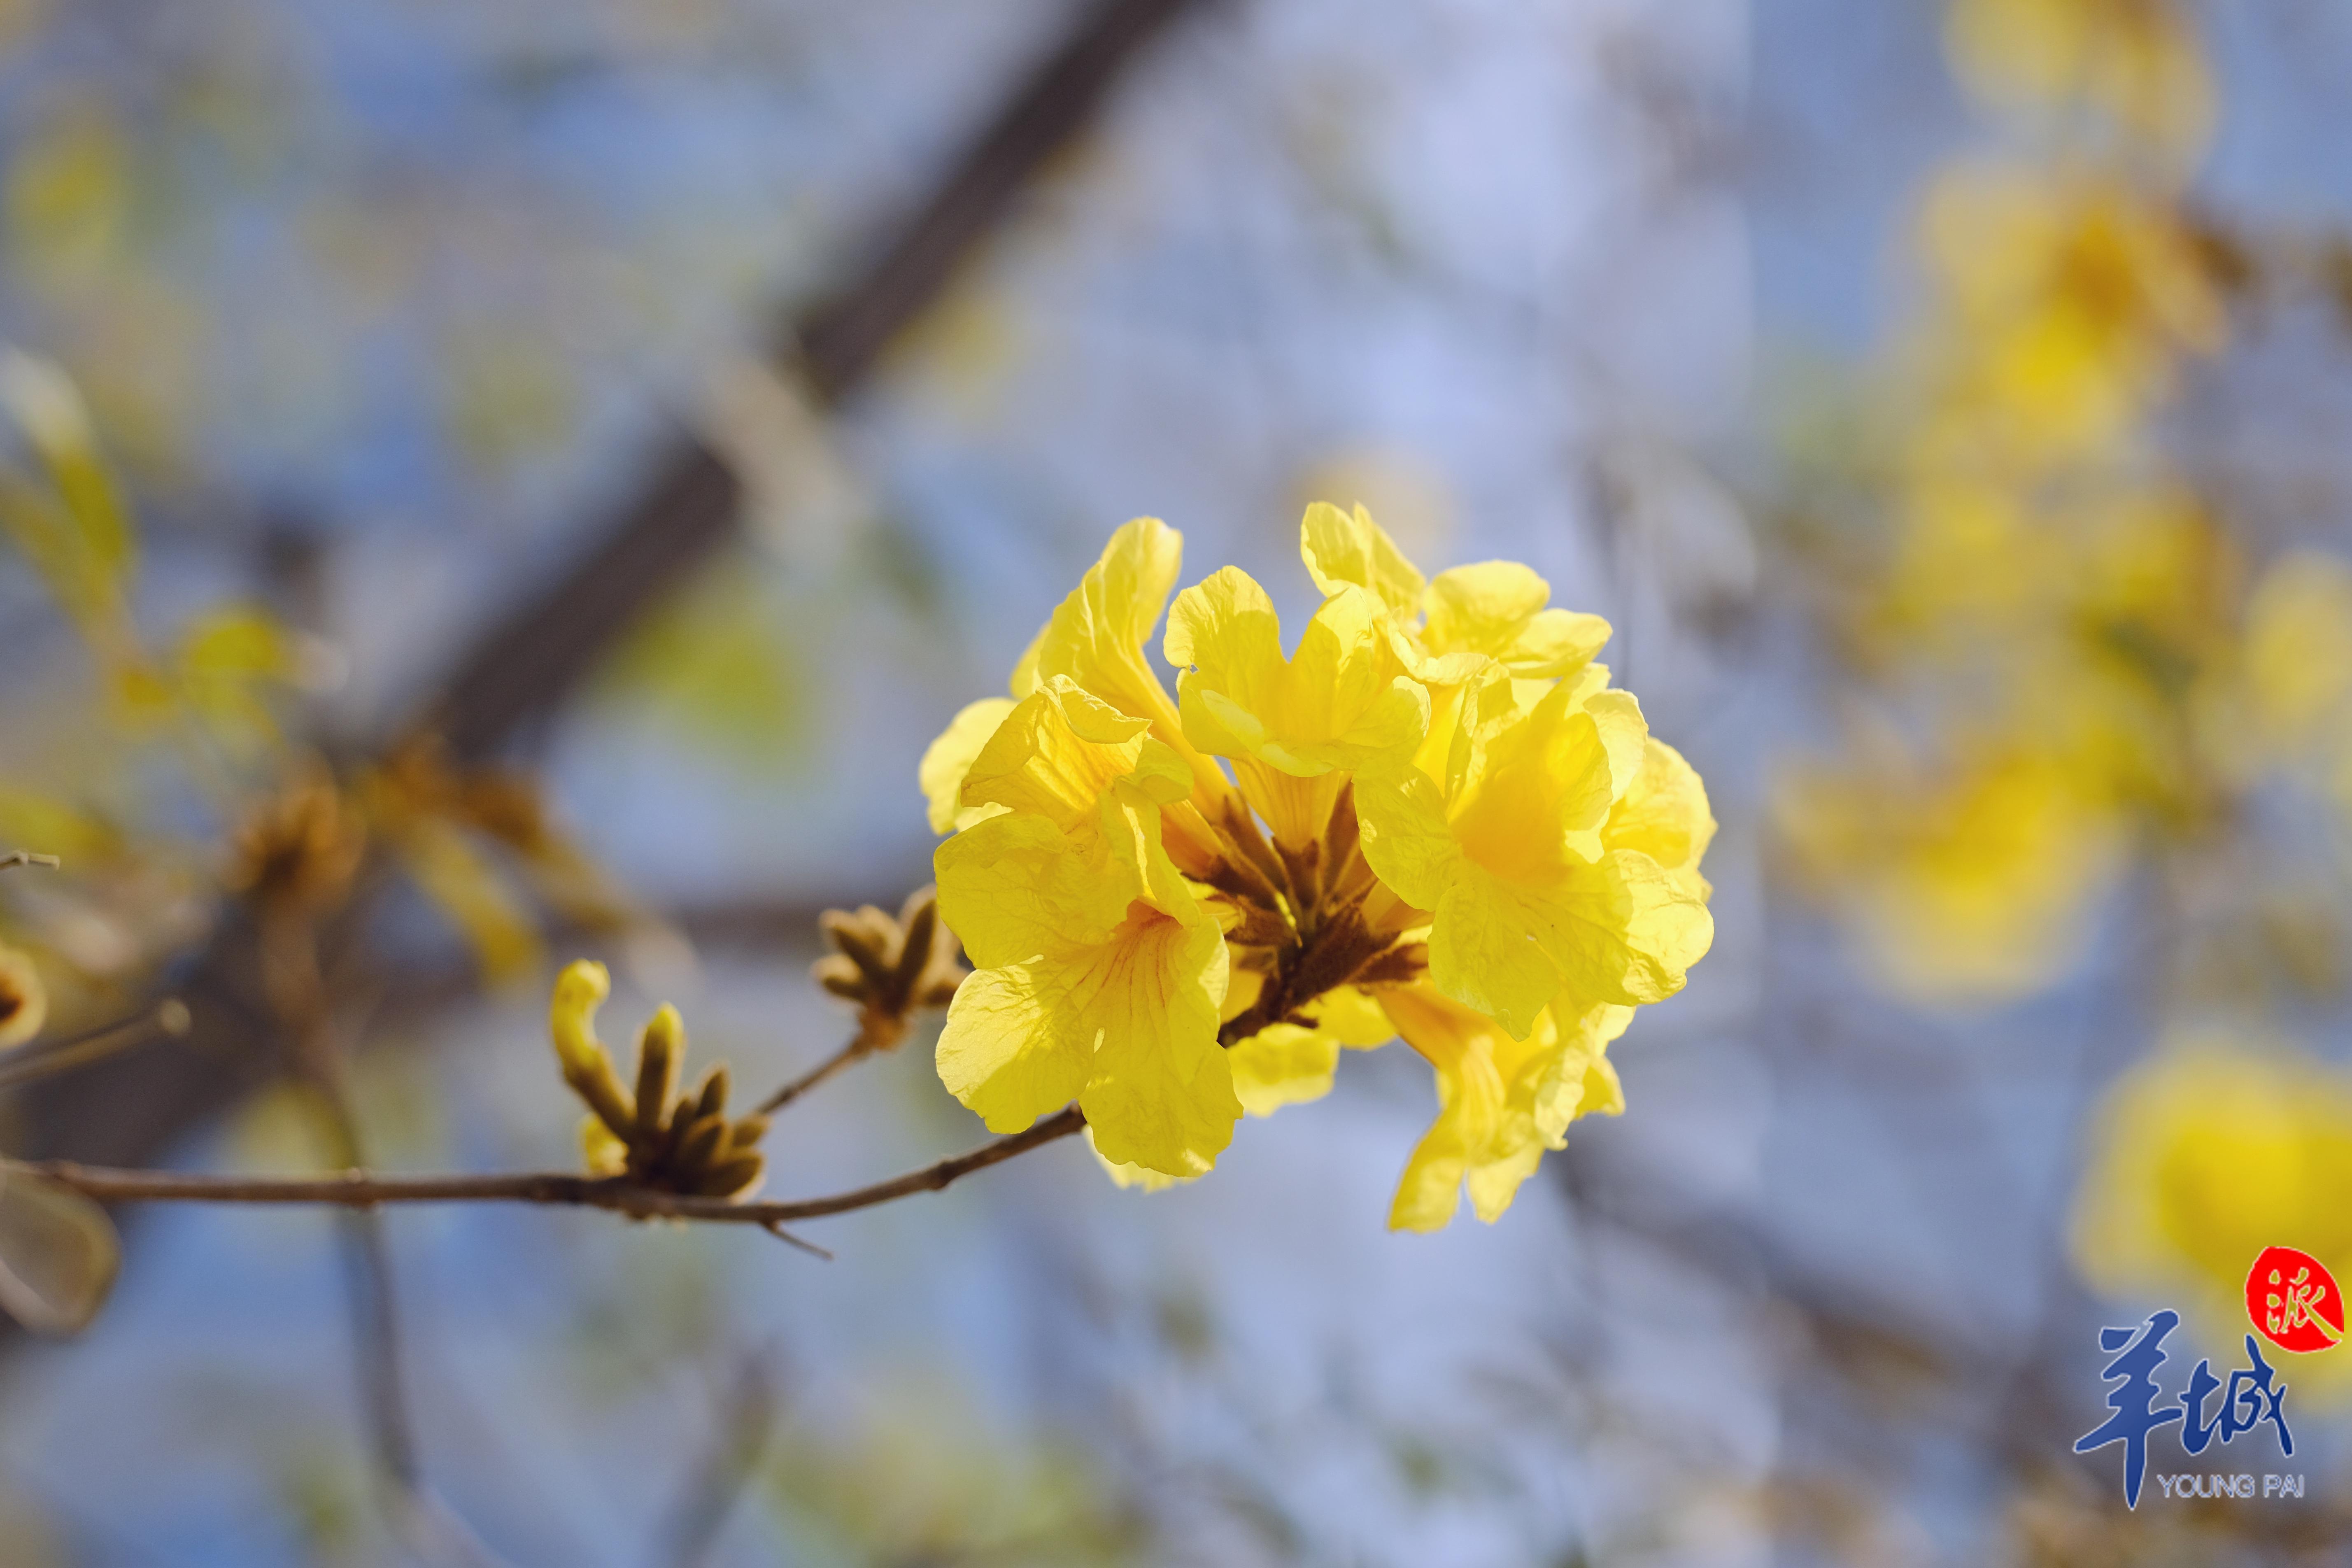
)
(2293, 1300)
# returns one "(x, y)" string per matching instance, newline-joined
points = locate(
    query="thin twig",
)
(858, 1046)
(789, 1239)
(168, 1018)
(297, 990)
(27, 858)
(362, 1190)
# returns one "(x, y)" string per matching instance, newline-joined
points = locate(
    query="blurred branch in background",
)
(129, 1111)
(540, 651)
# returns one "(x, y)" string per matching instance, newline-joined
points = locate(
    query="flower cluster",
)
(1434, 820)
(2071, 655)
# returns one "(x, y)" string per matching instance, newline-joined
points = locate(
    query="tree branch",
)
(364, 1191)
(688, 507)
(856, 1048)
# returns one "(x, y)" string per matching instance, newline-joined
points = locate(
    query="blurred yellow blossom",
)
(2296, 659)
(23, 1001)
(1969, 882)
(2065, 300)
(2134, 61)
(2212, 1149)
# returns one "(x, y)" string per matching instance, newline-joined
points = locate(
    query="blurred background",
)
(681, 407)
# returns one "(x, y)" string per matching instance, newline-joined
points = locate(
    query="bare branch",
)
(362, 1190)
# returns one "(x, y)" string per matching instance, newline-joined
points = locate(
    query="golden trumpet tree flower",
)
(1172, 947)
(1501, 1101)
(1099, 973)
(1529, 897)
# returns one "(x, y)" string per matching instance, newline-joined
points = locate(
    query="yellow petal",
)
(1459, 1045)
(1501, 1101)
(1016, 887)
(1162, 1094)
(1485, 950)
(1019, 1041)
(1099, 973)
(1136, 1177)
(1625, 930)
(1059, 749)
(1098, 638)
(1344, 704)
(1665, 814)
(1281, 1065)
(1344, 548)
(948, 759)
(1406, 838)
(1558, 643)
(1534, 792)
(1495, 608)
(1352, 1016)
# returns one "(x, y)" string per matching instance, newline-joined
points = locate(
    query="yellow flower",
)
(2069, 299)
(949, 758)
(1456, 629)
(1530, 893)
(1098, 974)
(1967, 884)
(2206, 1154)
(1294, 728)
(1097, 641)
(1290, 1064)
(1099, 637)
(1501, 1101)
(2296, 660)
(2135, 61)
(23, 1001)
(1140, 946)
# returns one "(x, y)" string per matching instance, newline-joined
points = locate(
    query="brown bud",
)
(711, 1097)
(700, 1145)
(837, 974)
(731, 1176)
(916, 941)
(857, 936)
(661, 1050)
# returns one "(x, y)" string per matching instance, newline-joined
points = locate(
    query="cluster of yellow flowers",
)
(2068, 655)
(1440, 823)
